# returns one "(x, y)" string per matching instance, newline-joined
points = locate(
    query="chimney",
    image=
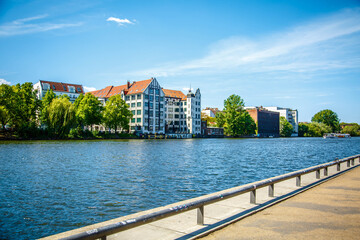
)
(128, 84)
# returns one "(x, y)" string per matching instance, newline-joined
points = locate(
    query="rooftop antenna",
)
(190, 88)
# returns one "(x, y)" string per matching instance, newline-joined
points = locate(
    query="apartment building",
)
(59, 88)
(267, 122)
(290, 115)
(182, 112)
(146, 102)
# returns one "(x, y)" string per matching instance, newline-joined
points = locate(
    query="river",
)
(47, 187)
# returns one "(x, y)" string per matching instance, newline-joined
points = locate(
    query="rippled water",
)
(47, 187)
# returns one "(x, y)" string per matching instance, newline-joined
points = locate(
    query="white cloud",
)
(121, 22)
(27, 26)
(327, 43)
(3, 81)
(89, 89)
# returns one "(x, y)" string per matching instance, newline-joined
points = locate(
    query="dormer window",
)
(79, 89)
(53, 86)
(64, 88)
(46, 86)
(71, 89)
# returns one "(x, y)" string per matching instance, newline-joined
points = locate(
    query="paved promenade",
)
(330, 210)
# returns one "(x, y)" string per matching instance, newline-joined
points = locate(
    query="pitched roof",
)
(134, 88)
(139, 87)
(174, 94)
(62, 87)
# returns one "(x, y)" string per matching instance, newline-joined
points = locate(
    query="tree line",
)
(55, 116)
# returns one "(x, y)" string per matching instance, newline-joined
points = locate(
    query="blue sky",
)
(303, 55)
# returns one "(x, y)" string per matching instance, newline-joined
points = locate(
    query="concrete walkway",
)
(330, 210)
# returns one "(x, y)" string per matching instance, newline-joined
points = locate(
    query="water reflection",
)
(53, 186)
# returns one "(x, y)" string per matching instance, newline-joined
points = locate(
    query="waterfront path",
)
(328, 211)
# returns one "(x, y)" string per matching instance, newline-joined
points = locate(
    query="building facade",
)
(182, 112)
(290, 115)
(267, 122)
(156, 110)
(211, 112)
(59, 88)
(146, 102)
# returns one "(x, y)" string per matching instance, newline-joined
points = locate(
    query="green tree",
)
(329, 118)
(303, 129)
(220, 119)
(116, 113)
(45, 103)
(353, 130)
(61, 116)
(316, 129)
(88, 111)
(235, 120)
(6, 102)
(24, 107)
(286, 128)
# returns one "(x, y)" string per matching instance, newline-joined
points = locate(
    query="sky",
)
(303, 55)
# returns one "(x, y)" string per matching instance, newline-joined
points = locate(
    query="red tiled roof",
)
(139, 87)
(174, 94)
(135, 88)
(60, 87)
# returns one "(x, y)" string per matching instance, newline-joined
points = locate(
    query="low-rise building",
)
(59, 88)
(211, 112)
(267, 122)
(290, 115)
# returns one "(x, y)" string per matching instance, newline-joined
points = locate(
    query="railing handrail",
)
(174, 210)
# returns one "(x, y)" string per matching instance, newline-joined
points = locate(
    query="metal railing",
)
(102, 232)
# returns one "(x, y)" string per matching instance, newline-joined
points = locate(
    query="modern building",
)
(290, 115)
(182, 112)
(146, 102)
(267, 122)
(211, 112)
(156, 110)
(59, 88)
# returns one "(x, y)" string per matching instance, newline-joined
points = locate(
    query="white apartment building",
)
(290, 115)
(182, 112)
(146, 102)
(59, 88)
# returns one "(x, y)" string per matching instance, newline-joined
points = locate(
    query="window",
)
(184, 109)
(146, 112)
(133, 112)
(54, 87)
(138, 120)
(176, 122)
(157, 113)
(132, 128)
(64, 88)
(139, 96)
(133, 104)
(146, 96)
(79, 89)
(151, 113)
(176, 115)
(71, 89)
(161, 99)
(139, 104)
(161, 105)
(176, 110)
(146, 104)
(138, 112)
(127, 98)
(151, 98)
(170, 109)
(151, 105)
(156, 98)
(170, 115)
(157, 91)
(132, 97)
(133, 120)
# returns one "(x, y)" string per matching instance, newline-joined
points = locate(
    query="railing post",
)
(325, 171)
(298, 181)
(352, 162)
(271, 190)
(348, 163)
(318, 174)
(200, 215)
(253, 196)
(338, 167)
